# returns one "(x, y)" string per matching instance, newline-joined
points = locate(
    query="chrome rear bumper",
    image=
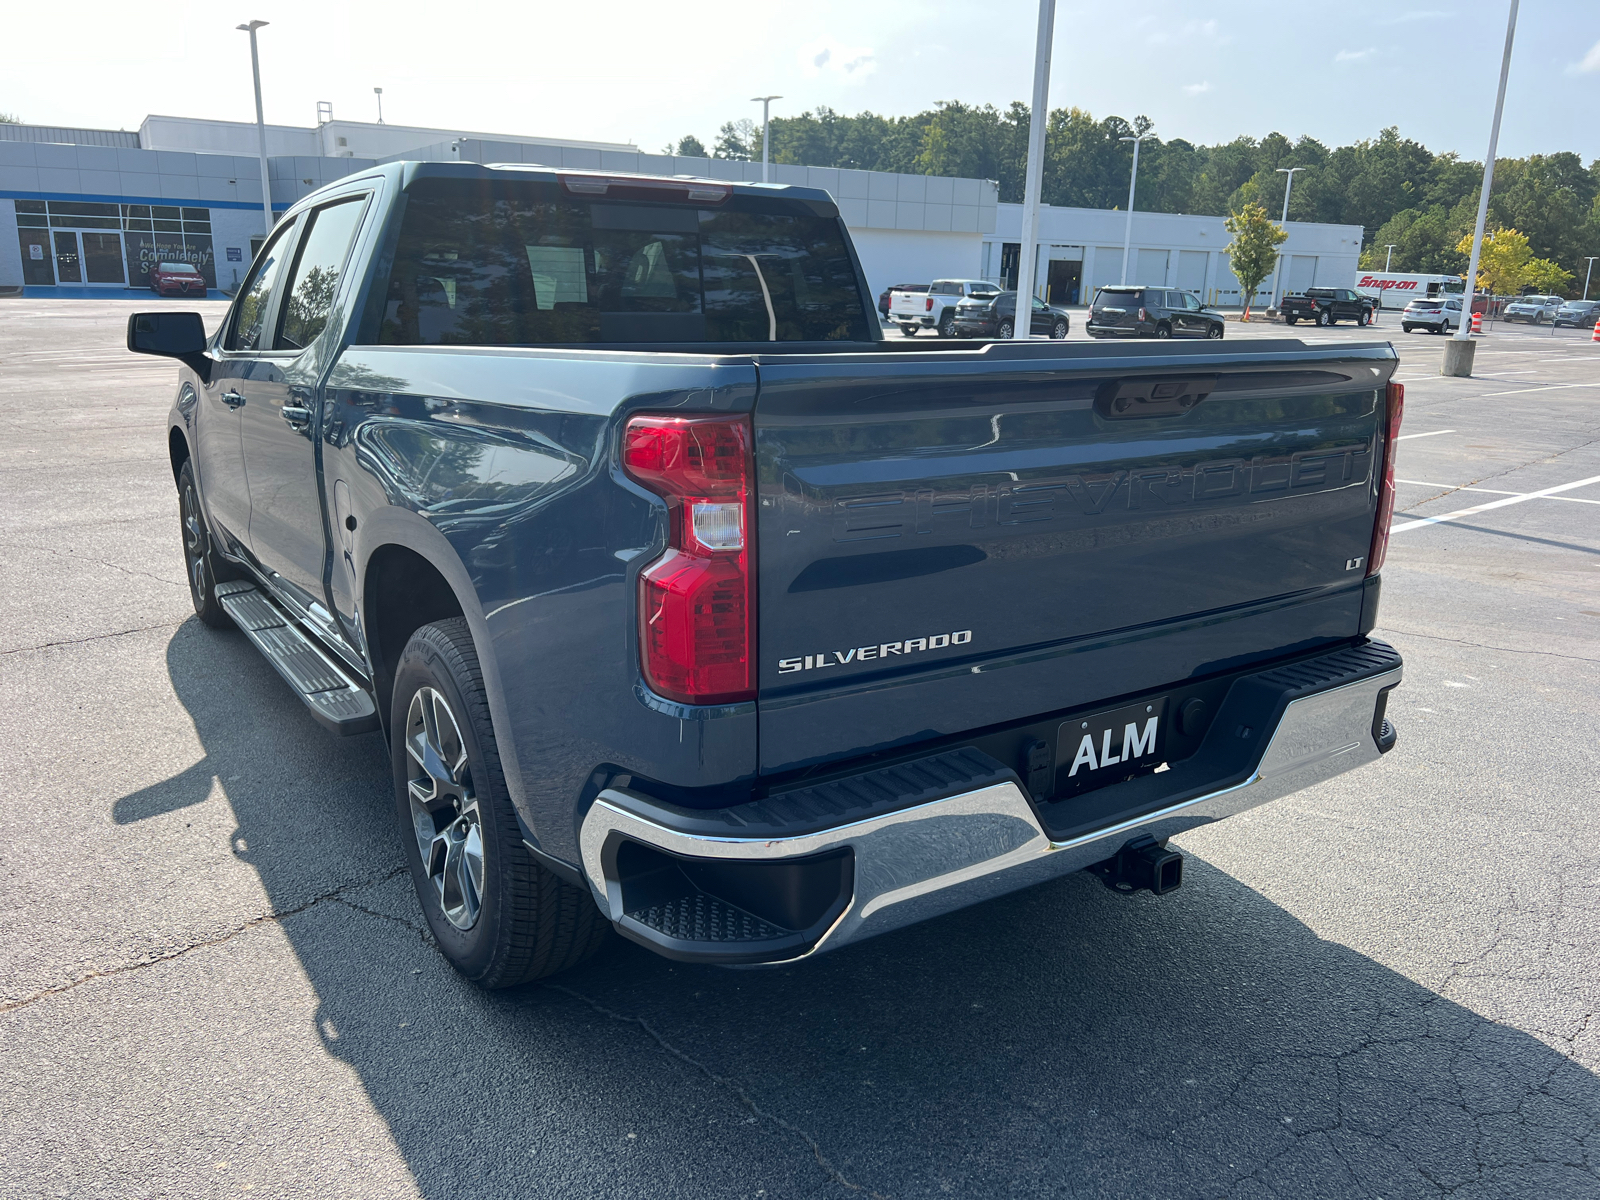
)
(932, 858)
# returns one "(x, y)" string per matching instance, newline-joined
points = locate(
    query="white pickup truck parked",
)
(935, 308)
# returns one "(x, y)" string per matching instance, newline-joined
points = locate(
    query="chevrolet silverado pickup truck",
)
(935, 306)
(689, 606)
(1328, 306)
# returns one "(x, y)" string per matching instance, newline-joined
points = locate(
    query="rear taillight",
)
(1143, 316)
(697, 600)
(1380, 529)
(927, 305)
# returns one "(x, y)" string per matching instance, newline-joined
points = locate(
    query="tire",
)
(1324, 317)
(1291, 320)
(497, 916)
(1006, 330)
(909, 330)
(1163, 330)
(1405, 329)
(1058, 331)
(945, 322)
(204, 566)
(1214, 334)
(1364, 319)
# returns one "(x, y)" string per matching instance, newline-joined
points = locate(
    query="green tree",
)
(688, 146)
(1502, 261)
(739, 140)
(1253, 250)
(1546, 276)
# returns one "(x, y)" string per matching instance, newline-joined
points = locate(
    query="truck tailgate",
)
(951, 542)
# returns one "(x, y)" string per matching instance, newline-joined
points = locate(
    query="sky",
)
(649, 72)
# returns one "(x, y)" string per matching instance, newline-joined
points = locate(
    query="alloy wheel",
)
(444, 807)
(194, 544)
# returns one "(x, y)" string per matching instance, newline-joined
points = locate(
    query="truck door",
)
(279, 423)
(220, 454)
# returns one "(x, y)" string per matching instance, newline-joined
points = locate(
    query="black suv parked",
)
(991, 317)
(1150, 312)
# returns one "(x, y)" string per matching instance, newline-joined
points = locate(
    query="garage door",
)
(1302, 272)
(1192, 270)
(1152, 268)
(1107, 266)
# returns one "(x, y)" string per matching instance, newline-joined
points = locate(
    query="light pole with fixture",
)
(378, 92)
(1389, 257)
(261, 122)
(1586, 275)
(1288, 184)
(1458, 351)
(766, 107)
(1133, 181)
(1033, 176)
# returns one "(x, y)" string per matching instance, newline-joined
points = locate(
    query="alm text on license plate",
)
(1109, 747)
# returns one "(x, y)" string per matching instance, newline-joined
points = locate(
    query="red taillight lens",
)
(697, 601)
(1143, 316)
(927, 305)
(1380, 529)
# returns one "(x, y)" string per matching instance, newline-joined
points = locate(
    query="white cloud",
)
(1591, 61)
(1190, 31)
(826, 57)
(1196, 89)
(1421, 14)
(1354, 55)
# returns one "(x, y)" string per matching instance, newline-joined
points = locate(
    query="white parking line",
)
(1518, 499)
(1430, 433)
(1548, 388)
(1454, 487)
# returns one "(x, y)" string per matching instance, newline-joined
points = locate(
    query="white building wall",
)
(10, 248)
(890, 256)
(1166, 248)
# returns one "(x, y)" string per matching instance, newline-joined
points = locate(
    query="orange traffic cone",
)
(1596, 337)
(1477, 322)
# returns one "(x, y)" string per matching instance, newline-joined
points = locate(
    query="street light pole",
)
(1288, 184)
(766, 104)
(261, 122)
(1033, 178)
(1459, 363)
(1133, 181)
(1586, 275)
(1389, 257)
(379, 93)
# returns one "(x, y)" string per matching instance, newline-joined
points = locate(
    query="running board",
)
(340, 704)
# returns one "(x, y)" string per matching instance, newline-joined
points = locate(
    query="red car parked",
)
(177, 279)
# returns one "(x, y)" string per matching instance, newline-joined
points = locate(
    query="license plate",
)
(1109, 747)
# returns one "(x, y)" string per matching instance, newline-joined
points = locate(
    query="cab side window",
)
(318, 267)
(255, 297)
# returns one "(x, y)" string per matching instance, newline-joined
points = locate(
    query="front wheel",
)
(205, 567)
(1215, 332)
(499, 917)
(1364, 320)
(1163, 331)
(1058, 331)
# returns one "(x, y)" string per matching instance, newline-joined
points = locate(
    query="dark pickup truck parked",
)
(690, 606)
(1328, 306)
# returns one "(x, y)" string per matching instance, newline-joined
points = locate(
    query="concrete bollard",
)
(1458, 357)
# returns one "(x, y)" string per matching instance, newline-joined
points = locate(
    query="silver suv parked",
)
(1437, 313)
(1535, 310)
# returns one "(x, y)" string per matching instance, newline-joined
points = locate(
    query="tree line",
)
(1398, 190)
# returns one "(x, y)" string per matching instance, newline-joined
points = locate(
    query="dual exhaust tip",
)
(1144, 864)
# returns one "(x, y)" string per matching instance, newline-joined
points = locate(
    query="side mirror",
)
(179, 335)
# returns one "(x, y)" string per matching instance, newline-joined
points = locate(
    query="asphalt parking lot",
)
(214, 979)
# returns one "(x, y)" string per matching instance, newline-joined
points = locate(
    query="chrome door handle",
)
(298, 416)
(232, 399)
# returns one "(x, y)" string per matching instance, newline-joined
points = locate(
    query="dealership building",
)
(86, 212)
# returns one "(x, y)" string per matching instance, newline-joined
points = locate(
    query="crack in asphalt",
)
(92, 637)
(744, 1097)
(1433, 637)
(181, 951)
(98, 562)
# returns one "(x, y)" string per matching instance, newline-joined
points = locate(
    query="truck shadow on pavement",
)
(1061, 1041)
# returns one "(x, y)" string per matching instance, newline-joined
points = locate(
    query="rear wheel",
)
(1324, 318)
(909, 330)
(1405, 329)
(205, 567)
(945, 323)
(1007, 329)
(497, 915)
(1291, 320)
(1215, 332)
(1163, 330)
(1058, 331)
